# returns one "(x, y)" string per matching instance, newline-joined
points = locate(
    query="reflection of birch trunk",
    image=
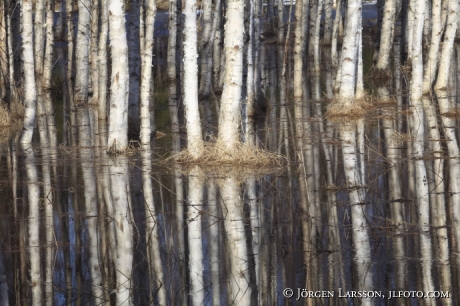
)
(255, 215)
(195, 262)
(3, 283)
(417, 128)
(33, 191)
(152, 231)
(91, 210)
(119, 179)
(234, 227)
(214, 241)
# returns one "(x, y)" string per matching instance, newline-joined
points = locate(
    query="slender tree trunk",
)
(30, 93)
(229, 116)
(135, 58)
(102, 64)
(193, 123)
(118, 120)
(147, 29)
(82, 52)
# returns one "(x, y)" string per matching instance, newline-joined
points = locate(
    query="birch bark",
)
(118, 120)
(193, 123)
(229, 116)
(146, 30)
(30, 93)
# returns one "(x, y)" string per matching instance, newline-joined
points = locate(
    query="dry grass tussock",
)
(216, 154)
(380, 75)
(349, 109)
(5, 118)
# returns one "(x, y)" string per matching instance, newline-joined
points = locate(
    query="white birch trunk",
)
(82, 52)
(349, 58)
(192, 115)
(94, 67)
(298, 73)
(118, 120)
(432, 60)
(146, 30)
(229, 117)
(30, 93)
(102, 63)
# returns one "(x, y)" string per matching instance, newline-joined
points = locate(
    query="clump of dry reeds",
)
(349, 109)
(217, 154)
(380, 75)
(17, 111)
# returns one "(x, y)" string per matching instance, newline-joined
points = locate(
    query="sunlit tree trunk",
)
(193, 123)
(298, 73)
(432, 60)
(30, 93)
(147, 29)
(118, 120)
(229, 116)
(102, 64)
(386, 35)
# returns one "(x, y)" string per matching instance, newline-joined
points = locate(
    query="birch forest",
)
(229, 152)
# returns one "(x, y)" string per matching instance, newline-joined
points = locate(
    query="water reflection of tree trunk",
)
(33, 195)
(91, 210)
(122, 216)
(157, 283)
(214, 241)
(232, 209)
(195, 262)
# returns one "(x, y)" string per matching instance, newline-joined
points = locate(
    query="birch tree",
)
(118, 120)
(229, 115)
(192, 116)
(30, 93)
(146, 30)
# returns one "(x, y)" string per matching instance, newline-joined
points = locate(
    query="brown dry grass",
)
(216, 154)
(349, 109)
(380, 75)
(5, 118)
